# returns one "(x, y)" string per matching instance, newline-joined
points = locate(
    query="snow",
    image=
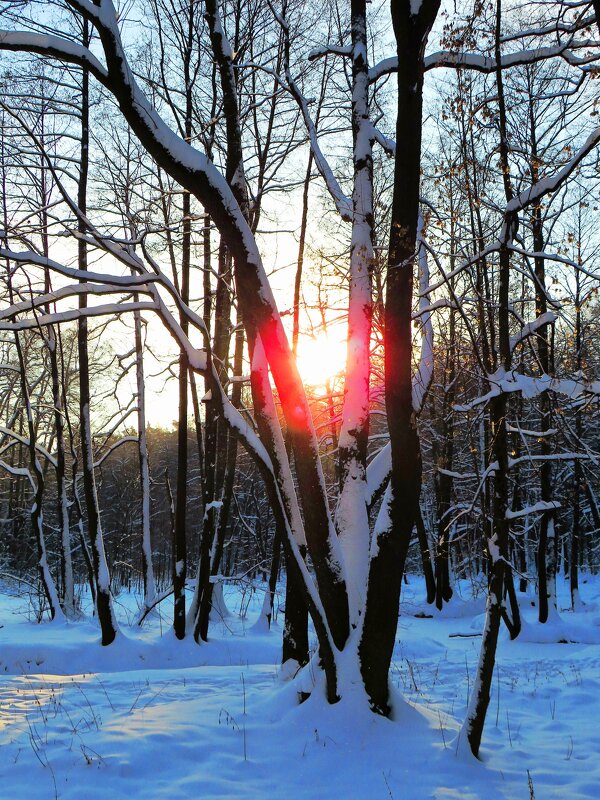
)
(542, 505)
(552, 182)
(548, 318)
(452, 59)
(23, 40)
(378, 471)
(213, 504)
(530, 387)
(152, 716)
(424, 375)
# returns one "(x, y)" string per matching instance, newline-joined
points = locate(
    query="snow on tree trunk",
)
(351, 519)
(392, 540)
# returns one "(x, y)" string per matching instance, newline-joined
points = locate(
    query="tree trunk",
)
(106, 618)
(391, 545)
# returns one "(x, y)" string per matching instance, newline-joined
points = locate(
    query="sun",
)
(320, 359)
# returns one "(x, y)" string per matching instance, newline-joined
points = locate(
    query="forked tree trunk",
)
(37, 481)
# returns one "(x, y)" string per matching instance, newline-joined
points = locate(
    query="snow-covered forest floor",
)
(156, 718)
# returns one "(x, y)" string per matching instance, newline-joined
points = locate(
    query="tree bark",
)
(390, 547)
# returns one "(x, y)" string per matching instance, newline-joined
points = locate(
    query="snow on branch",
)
(534, 434)
(378, 472)
(42, 300)
(342, 202)
(502, 381)
(536, 508)
(529, 196)
(388, 145)
(113, 447)
(72, 314)
(554, 28)
(486, 64)
(329, 49)
(456, 475)
(383, 523)
(132, 282)
(531, 328)
(16, 437)
(494, 247)
(569, 262)
(55, 46)
(552, 182)
(513, 462)
(19, 472)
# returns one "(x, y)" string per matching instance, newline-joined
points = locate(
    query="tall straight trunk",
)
(106, 618)
(142, 443)
(180, 533)
(144, 468)
(76, 508)
(200, 443)
(486, 327)
(62, 500)
(391, 543)
(180, 541)
(577, 471)
(430, 582)
(300, 261)
(498, 543)
(444, 482)
(443, 587)
(221, 451)
(215, 445)
(352, 517)
(226, 485)
(36, 475)
(546, 560)
(519, 544)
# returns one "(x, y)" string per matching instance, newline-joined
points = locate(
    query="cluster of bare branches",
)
(145, 185)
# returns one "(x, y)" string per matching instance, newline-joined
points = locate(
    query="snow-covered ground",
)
(153, 717)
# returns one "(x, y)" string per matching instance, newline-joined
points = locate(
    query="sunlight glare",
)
(320, 358)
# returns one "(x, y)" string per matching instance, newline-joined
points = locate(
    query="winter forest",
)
(299, 399)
